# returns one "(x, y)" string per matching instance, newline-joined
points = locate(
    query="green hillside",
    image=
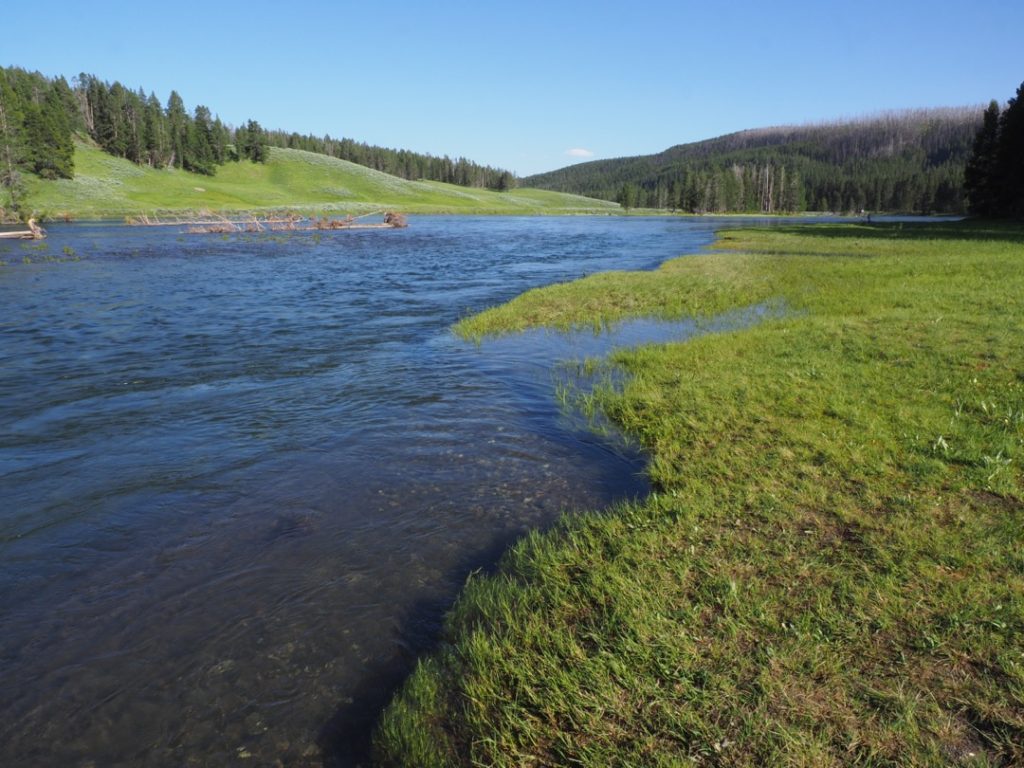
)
(106, 186)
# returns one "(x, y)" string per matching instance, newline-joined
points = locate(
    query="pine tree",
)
(1010, 158)
(11, 144)
(62, 148)
(242, 142)
(251, 142)
(68, 103)
(979, 174)
(157, 143)
(260, 147)
(506, 181)
(133, 112)
(111, 121)
(627, 196)
(199, 153)
(48, 143)
(221, 138)
(177, 128)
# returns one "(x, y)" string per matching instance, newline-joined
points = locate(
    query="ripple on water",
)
(243, 477)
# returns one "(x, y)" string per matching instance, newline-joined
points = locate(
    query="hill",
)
(39, 117)
(909, 161)
(105, 186)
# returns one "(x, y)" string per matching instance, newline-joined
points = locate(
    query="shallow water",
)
(241, 478)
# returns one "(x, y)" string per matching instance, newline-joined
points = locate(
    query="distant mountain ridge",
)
(909, 161)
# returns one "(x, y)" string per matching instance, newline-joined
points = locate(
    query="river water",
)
(242, 477)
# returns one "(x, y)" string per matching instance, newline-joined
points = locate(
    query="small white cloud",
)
(579, 152)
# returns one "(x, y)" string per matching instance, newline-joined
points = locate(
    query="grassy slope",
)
(106, 186)
(831, 572)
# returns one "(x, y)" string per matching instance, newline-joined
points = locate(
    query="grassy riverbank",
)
(832, 569)
(109, 187)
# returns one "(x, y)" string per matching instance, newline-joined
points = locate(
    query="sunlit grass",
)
(105, 186)
(831, 571)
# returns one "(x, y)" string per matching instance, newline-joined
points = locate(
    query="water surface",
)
(242, 477)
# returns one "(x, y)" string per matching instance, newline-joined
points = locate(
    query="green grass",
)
(831, 571)
(106, 186)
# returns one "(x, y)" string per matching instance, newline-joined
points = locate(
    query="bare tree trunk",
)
(8, 151)
(85, 109)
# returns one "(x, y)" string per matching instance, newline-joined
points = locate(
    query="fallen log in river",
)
(34, 232)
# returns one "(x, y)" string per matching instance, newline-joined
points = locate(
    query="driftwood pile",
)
(392, 220)
(207, 222)
(327, 223)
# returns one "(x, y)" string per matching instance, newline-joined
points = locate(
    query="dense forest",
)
(400, 162)
(994, 177)
(910, 161)
(40, 116)
(36, 124)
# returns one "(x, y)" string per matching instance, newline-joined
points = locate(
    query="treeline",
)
(39, 117)
(139, 128)
(994, 177)
(906, 161)
(762, 187)
(399, 162)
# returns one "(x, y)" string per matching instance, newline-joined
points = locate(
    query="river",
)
(242, 477)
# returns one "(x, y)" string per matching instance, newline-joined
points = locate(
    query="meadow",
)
(109, 187)
(831, 568)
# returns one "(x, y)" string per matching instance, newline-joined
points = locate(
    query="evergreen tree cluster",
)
(909, 161)
(412, 166)
(251, 142)
(994, 176)
(40, 116)
(37, 119)
(139, 128)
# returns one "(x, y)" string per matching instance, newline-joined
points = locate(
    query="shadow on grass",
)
(1007, 231)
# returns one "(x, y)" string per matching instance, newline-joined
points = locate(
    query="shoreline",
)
(312, 211)
(788, 493)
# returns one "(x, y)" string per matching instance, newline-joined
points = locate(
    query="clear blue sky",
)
(521, 84)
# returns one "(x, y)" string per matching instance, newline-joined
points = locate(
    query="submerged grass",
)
(831, 571)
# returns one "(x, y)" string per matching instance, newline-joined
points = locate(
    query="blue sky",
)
(520, 85)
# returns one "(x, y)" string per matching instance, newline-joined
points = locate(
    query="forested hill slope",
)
(40, 118)
(909, 161)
